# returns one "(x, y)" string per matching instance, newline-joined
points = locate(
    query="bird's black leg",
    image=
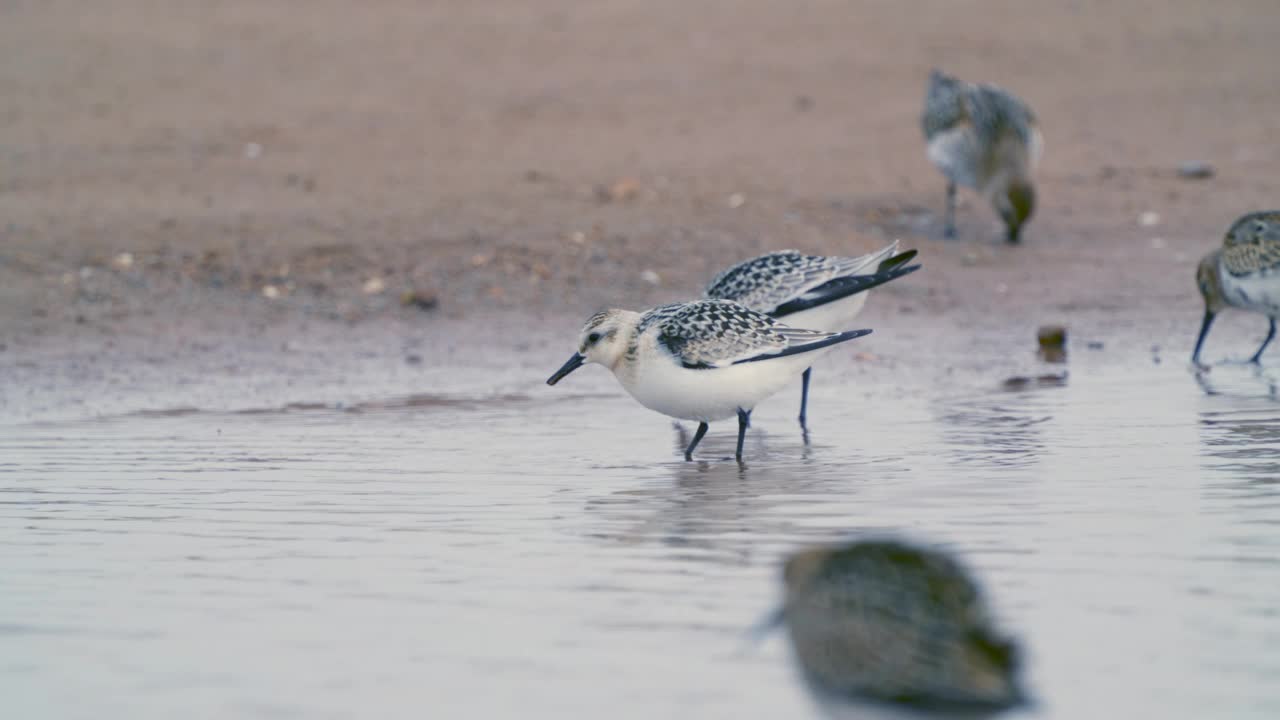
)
(1257, 357)
(949, 223)
(697, 438)
(1204, 333)
(804, 396)
(744, 419)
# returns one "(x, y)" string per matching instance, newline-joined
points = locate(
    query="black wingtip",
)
(810, 347)
(842, 288)
(901, 258)
(851, 334)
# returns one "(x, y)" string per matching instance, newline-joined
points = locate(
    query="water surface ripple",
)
(545, 554)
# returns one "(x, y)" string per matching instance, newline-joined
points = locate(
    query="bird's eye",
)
(593, 337)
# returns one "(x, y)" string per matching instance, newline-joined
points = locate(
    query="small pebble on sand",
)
(651, 277)
(421, 299)
(1149, 219)
(1195, 170)
(737, 200)
(373, 286)
(624, 189)
(270, 292)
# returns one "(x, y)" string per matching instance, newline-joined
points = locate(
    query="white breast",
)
(1258, 292)
(1036, 148)
(660, 384)
(955, 152)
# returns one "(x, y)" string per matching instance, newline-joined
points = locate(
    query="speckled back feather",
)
(993, 112)
(1252, 244)
(717, 333)
(763, 283)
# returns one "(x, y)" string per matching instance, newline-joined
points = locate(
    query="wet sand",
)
(225, 206)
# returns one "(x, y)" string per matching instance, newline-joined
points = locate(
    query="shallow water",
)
(543, 553)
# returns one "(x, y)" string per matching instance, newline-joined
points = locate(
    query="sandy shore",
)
(260, 203)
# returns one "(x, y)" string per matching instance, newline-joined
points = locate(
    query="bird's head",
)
(603, 340)
(1015, 202)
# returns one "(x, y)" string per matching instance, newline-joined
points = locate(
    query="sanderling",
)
(891, 622)
(810, 291)
(704, 360)
(983, 137)
(1244, 273)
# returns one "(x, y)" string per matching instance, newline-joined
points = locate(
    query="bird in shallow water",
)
(898, 625)
(705, 360)
(1244, 273)
(810, 291)
(985, 138)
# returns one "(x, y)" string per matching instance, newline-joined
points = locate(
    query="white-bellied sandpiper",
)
(894, 623)
(704, 360)
(810, 291)
(1244, 273)
(984, 138)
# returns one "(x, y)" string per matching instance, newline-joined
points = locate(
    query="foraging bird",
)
(1244, 273)
(894, 623)
(983, 137)
(810, 291)
(704, 360)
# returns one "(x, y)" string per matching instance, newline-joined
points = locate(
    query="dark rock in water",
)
(1023, 382)
(419, 299)
(1017, 382)
(1195, 171)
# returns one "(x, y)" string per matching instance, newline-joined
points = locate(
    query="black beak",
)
(1204, 333)
(574, 363)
